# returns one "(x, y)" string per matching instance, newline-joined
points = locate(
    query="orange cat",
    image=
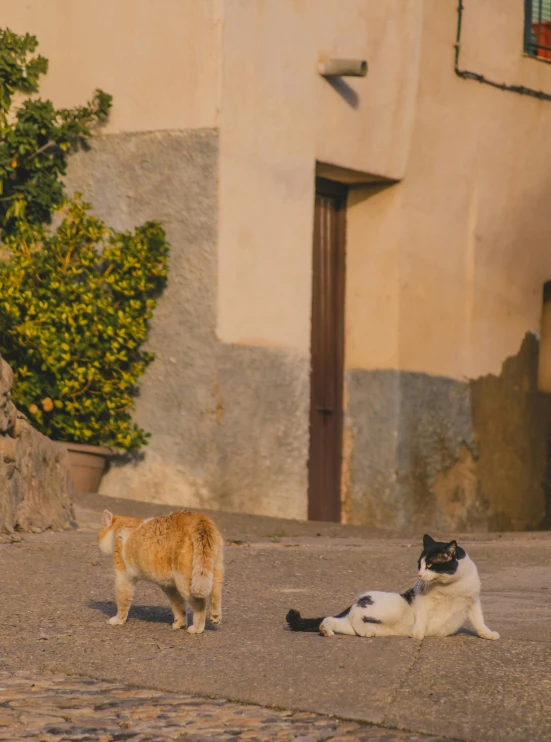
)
(181, 552)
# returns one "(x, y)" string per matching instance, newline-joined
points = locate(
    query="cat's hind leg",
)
(197, 605)
(183, 586)
(372, 627)
(124, 592)
(337, 625)
(199, 608)
(178, 605)
(216, 595)
(381, 614)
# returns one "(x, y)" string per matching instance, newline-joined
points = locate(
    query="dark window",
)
(537, 28)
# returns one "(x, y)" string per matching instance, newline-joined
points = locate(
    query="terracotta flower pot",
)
(87, 464)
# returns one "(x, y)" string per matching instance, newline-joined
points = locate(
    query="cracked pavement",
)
(57, 593)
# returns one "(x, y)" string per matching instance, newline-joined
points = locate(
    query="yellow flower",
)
(47, 404)
(33, 409)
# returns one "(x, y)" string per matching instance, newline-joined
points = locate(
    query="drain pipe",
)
(342, 67)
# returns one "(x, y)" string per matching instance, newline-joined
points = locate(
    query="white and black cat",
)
(447, 594)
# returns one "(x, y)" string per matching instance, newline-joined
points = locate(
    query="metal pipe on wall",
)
(342, 67)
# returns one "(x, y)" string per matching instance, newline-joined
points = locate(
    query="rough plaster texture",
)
(229, 423)
(169, 176)
(428, 451)
(262, 434)
(405, 428)
(34, 484)
(512, 424)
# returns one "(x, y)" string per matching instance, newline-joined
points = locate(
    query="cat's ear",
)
(106, 518)
(451, 548)
(428, 541)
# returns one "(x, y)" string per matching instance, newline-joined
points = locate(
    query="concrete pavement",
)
(57, 592)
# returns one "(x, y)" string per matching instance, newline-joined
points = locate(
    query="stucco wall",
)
(228, 423)
(160, 59)
(277, 118)
(456, 253)
(444, 266)
(445, 271)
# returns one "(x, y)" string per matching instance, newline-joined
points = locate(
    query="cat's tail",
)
(297, 623)
(205, 543)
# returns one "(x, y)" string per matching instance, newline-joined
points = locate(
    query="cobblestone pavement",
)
(51, 708)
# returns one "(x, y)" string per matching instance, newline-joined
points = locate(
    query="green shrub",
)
(74, 302)
(74, 309)
(35, 138)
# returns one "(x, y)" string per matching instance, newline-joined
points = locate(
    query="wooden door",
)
(327, 349)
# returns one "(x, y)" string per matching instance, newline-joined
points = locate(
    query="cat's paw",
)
(326, 631)
(216, 618)
(116, 621)
(194, 630)
(179, 623)
(493, 635)
(417, 635)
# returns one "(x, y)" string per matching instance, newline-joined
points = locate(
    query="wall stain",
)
(458, 499)
(219, 409)
(433, 452)
(512, 423)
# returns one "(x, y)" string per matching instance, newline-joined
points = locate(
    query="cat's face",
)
(439, 561)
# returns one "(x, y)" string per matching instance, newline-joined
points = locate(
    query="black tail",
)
(297, 623)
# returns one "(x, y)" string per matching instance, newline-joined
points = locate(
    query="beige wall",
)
(158, 58)
(444, 266)
(439, 277)
(278, 116)
(445, 269)
(250, 68)
(373, 278)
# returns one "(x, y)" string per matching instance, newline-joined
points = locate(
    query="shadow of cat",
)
(148, 613)
(464, 631)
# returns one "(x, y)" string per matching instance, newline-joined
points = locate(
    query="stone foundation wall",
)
(34, 483)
